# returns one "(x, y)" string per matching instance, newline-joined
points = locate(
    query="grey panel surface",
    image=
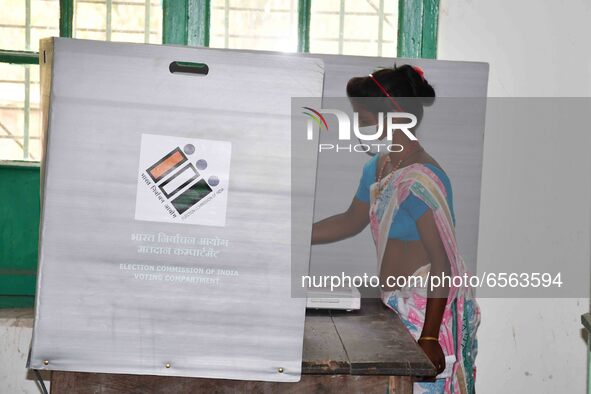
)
(121, 293)
(452, 131)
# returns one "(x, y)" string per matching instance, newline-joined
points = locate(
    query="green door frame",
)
(418, 22)
(185, 22)
(304, 16)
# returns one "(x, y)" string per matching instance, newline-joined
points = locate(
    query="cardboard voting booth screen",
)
(452, 131)
(165, 239)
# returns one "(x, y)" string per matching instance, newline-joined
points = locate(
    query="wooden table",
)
(366, 351)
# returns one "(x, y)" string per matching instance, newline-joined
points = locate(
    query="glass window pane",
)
(118, 20)
(354, 27)
(20, 125)
(27, 22)
(254, 24)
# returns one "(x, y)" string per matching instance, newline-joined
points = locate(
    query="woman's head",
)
(406, 83)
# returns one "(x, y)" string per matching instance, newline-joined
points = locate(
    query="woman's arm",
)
(437, 300)
(343, 225)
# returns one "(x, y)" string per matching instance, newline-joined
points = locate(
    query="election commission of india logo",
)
(183, 180)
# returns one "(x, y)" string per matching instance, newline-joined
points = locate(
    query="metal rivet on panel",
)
(167, 365)
(280, 369)
(45, 362)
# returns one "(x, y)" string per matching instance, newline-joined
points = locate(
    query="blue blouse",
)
(404, 225)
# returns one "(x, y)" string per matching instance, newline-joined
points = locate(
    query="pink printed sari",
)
(461, 317)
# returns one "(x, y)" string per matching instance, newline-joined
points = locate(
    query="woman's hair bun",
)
(419, 85)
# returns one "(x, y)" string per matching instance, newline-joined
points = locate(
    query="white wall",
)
(534, 49)
(16, 327)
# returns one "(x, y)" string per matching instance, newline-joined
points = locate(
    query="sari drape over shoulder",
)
(461, 317)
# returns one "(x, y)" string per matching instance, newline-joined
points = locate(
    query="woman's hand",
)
(435, 353)
(341, 226)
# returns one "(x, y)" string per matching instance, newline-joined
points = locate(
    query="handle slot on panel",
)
(178, 67)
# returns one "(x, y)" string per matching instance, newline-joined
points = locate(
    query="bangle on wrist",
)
(428, 339)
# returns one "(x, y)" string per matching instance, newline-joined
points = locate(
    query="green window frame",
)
(185, 22)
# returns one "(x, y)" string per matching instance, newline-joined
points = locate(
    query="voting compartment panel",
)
(452, 131)
(165, 239)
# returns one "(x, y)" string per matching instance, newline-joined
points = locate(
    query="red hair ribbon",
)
(419, 71)
(379, 85)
